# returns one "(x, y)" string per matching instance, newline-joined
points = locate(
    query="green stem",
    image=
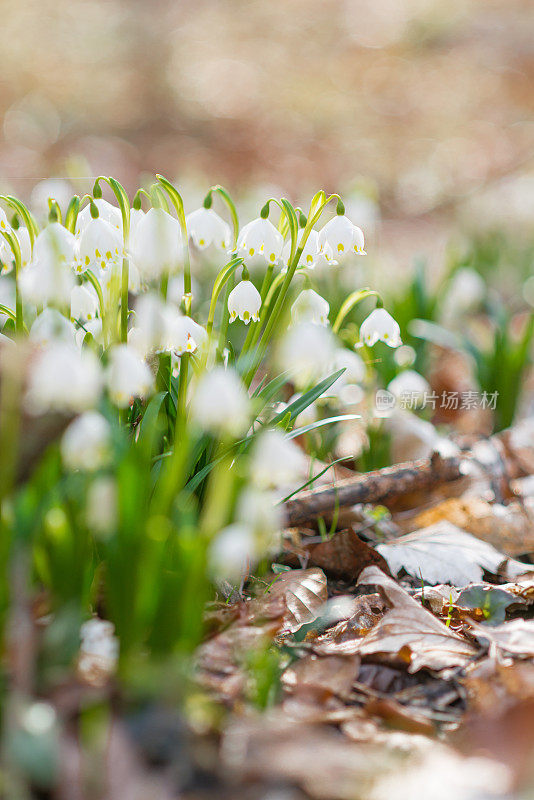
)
(178, 203)
(174, 468)
(351, 301)
(274, 315)
(125, 277)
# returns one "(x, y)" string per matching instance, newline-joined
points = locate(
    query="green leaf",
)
(319, 424)
(298, 406)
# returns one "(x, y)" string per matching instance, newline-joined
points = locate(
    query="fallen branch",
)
(374, 487)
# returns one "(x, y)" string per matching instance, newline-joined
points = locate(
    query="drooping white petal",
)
(51, 326)
(54, 244)
(99, 246)
(276, 461)
(63, 378)
(220, 403)
(83, 304)
(106, 211)
(342, 237)
(206, 228)
(156, 245)
(244, 302)
(127, 375)
(86, 442)
(310, 307)
(380, 326)
(307, 353)
(259, 240)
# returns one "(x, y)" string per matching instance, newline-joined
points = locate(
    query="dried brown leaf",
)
(409, 633)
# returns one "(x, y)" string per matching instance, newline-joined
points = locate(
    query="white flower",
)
(99, 245)
(352, 363)
(47, 282)
(259, 240)
(244, 302)
(106, 211)
(465, 291)
(220, 403)
(51, 326)
(4, 224)
(101, 507)
(310, 252)
(151, 324)
(94, 327)
(99, 651)
(307, 352)
(85, 444)
(410, 387)
(184, 335)
(55, 244)
(206, 227)
(380, 325)
(157, 244)
(127, 375)
(310, 307)
(25, 245)
(63, 378)
(276, 461)
(83, 304)
(136, 215)
(340, 236)
(232, 551)
(50, 188)
(261, 511)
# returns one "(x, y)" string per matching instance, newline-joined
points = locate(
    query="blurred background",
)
(420, 110)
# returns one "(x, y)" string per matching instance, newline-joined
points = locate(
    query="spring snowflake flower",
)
(206, 227)
(152, 320)
(307, 353)
(276, 461)
(83, 304)
(410, 386)
(136, 215)
(310, 252)
(106, 211)
(99, 651)
(5, 227)
(260, 241)
(260, 510)
(184, 335)
(25, 245)
(86, 442)
(380, 326)
(244, 302)
(99, 246)
(220, 404)
(92, 327)
(63, 378)
(47, 282)
(51, 326)
(232, 551)
(127, 375)
(310, 307)
(156, 245)
(352, 363)
(340, 237)
(55, 244)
